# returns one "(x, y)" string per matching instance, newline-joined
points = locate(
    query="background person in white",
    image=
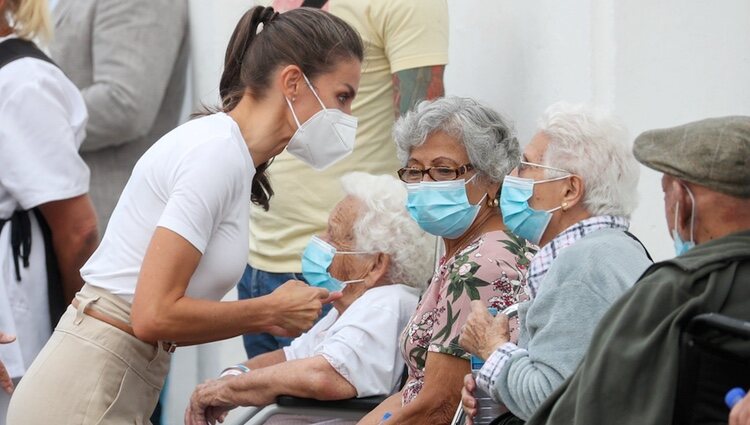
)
(42, 124)
(177, 240)
(353, 350)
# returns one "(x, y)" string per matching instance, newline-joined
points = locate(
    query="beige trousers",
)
(91, 372)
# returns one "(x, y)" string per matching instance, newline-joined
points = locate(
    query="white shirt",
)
(362, 344)
(42, 124)
(196, 182)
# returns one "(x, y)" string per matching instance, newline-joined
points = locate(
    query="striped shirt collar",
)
(543, 260)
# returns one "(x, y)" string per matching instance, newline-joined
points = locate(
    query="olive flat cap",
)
(714, 153)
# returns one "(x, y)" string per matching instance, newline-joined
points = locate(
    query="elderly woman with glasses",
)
(456, 153)
(573, 195)
(380, 260)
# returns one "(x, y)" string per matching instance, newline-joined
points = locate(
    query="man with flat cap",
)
(630, 371)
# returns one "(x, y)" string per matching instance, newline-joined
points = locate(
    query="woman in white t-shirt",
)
(47, 222)
(177, 239)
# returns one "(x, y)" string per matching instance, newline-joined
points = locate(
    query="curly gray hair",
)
(384, 225)
(489, 139)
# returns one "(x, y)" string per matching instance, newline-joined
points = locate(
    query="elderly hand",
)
(207, 406)
(482, 334)
(740, 414)
(5, 382)
(468, 401)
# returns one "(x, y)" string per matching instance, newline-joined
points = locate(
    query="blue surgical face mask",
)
(317, 259)
(518, 216)
(442, 208)
(681, 246)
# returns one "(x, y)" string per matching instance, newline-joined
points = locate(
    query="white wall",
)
(655, 64)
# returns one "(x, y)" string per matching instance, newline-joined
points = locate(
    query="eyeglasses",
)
(439, 174)
(524, 165)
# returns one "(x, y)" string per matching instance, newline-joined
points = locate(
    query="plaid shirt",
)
(540, 264)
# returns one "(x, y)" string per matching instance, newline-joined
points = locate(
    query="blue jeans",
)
(256, 283)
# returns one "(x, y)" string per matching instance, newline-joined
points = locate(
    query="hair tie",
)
(266, 20)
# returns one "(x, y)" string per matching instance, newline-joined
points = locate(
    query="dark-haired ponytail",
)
(230, 85)
(231, 88)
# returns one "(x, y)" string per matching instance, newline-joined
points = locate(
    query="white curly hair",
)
(384, 225)
(591, 143)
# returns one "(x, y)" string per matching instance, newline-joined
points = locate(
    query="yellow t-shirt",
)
(398, 35)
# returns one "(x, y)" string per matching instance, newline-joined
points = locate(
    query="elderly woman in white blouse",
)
(380, 259)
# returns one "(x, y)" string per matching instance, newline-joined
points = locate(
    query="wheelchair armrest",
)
(364, 404)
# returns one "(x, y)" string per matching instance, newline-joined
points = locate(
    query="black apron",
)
(20, 221)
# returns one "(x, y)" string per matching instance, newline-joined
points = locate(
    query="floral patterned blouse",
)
(492, 269)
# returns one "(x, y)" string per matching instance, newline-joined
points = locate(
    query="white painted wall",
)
(655, 64)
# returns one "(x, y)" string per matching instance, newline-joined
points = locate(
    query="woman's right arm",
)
(162, 312)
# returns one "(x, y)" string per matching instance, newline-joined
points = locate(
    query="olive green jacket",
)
(629, 373)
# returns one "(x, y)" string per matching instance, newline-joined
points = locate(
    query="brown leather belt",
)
(119, 324)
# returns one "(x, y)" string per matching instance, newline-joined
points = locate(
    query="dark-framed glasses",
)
(438, 174)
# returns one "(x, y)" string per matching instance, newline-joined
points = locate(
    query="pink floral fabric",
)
(491, 269)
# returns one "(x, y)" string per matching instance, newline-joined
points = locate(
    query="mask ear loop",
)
(692, 213)
(313, 91)
(296, 120)
(469, 181)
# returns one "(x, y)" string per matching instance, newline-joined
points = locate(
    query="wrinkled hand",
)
(740, 414)
(468, 401)
(5, 382)
(299, 306)
(206, 405)
(482, 334)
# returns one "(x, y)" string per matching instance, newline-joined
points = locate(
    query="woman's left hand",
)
(482, 334)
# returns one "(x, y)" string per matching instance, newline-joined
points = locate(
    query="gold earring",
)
(492, 202)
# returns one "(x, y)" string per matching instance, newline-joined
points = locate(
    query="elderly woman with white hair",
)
(380, 260)
(455, 152)
(573, 195)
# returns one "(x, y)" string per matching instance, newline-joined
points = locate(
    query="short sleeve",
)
(455, 308)
(486, 271)
(414, 33)
(363, 347)
(304, 345)
(202, 187)
(39, 160)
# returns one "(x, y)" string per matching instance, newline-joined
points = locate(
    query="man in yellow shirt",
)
(406, 50)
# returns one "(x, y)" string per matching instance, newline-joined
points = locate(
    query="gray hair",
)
(384, 225)
(592, 144)
(489, 139)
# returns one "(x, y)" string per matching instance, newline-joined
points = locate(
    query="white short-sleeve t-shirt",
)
(362, 344)
(196, 182)
(42, 124)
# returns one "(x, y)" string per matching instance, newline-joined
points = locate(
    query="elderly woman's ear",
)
(378, 272)
(573, 193)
